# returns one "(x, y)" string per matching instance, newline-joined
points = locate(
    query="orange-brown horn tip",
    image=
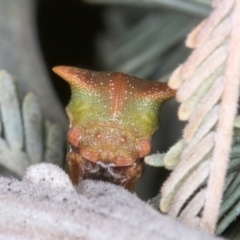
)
(66, 72)
(167, 92)
(61, 70)
(172, 92)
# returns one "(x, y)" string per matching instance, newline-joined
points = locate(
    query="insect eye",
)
(144, 148)
(74, 136)
(98, 136)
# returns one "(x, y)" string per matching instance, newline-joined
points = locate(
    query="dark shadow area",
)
(67, 30)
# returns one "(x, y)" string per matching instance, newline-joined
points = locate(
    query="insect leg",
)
(133, 173)
(75, 166)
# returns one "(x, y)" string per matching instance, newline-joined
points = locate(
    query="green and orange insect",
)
(112, 119)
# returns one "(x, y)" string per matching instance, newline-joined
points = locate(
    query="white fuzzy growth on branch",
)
(224, 130)
(46, 206)
(208, 89)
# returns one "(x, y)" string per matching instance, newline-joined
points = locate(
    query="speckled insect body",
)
(112, 119)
